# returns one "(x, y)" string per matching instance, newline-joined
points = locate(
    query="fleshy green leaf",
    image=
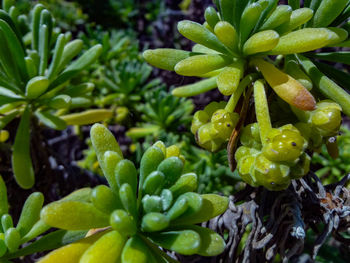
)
(136, 251)
(201, 64)
(196, 88)
(185, 242)
(73, 215)
(199, 34)
(212, 206)
(108, 248)
(30, 213)
(165, 58)
(21, 160)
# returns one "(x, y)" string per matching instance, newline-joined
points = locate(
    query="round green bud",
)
(327, 118)
(284, 144)
(224, 122)
(207, 139)
(271, 175)
(250, 136)
(199, 119)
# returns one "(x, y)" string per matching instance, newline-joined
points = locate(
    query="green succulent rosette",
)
(37, 64)
(137, 214)
(242, 39)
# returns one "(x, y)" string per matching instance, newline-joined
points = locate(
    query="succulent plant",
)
(35, 71)
(241, 42)
(137, 214)
(161, 112)
(14, 238)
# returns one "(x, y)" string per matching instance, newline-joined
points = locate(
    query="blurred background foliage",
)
(139, 94)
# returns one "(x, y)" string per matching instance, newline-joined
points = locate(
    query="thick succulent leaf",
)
(293, 69)
(38, 228)
(271, 5)
(327, 87)
(30, 213)
(185, 242)
(123, 222)
(78, 65)
(212, 206)
(74, 215)
(199, 34)
(104, 199)
(212, 243)
(196, 88)
(103, 140)
(15, 49)
(79, 90)
(4, 206)
(211, 16)
(106, 249)
(71, 253)
(342, 17)
(227, 34)
(340, 56)
(110, 160)
(153, 222)
(70, 50)
(286, 87)
(304, 40)
(50, 120)
(165, 58)
(136, 251)
(128, 199)
(60, 102)
(279, 16)
(5, 16)
(327, 12)
(57, 56)
(12, 239)
(194, 206)
(248, 21)
(125, 172)
(149, 163)
(179, 207)
(81, 195)
(201, 64)
(43, 48)
(261, 42)
(87, 117)
(229, 78)
(172, 169)
(298, 17)
(50, 241)
(186, 183)
(341, 77)
(21, 161)
(36, 25)
(153, 183)
(226, 7)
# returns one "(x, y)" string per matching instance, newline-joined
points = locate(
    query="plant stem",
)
(231, 104)
(262, 110)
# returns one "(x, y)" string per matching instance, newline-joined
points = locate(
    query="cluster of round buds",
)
(213, 126)
(277, 162)
(320, 124)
